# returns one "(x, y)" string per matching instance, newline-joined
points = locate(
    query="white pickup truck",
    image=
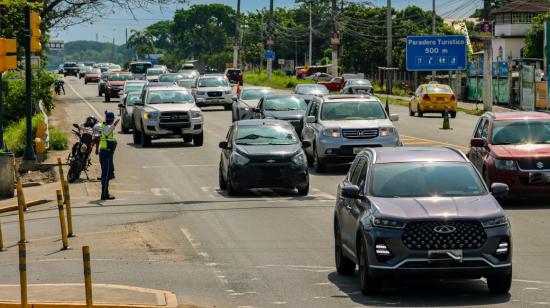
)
(167, 112)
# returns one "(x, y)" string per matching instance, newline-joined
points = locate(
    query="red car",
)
(334, 85)
(514, 148)
(92, 75)
(115, 84)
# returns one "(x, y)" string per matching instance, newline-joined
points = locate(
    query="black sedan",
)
(263, 153)
(288, 107)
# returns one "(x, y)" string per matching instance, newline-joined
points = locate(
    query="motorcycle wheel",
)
(75, 170)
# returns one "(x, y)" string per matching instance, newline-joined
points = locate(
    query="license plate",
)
(358, 150)
(455, 254)
(539, 177)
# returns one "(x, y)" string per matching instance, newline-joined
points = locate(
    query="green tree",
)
(141, 42)
(161, 33)
(534, 41)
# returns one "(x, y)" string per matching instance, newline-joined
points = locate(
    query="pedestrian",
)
(107, 147)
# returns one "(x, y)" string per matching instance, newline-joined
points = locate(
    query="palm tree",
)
(141, 42)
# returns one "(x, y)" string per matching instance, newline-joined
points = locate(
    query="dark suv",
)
(420, 212)
(70, 68)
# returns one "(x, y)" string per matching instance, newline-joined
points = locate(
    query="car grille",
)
(534, 164)
(367, 133)
(422, 236)
(215, 94)
(174, 117)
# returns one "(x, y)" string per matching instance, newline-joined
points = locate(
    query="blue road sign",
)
(436, 53)
(269, 54)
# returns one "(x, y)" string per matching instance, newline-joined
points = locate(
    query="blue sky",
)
(109, 27)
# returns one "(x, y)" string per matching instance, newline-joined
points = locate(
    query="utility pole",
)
(270, 41)
(237, 35)
(113, 51)
(433, 31)
(389, 38)
(126, 47)
(1, 102)
(487, 62)
(334, 66)
(310, 54)
(28, 156)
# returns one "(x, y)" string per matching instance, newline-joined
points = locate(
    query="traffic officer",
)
(107, 146)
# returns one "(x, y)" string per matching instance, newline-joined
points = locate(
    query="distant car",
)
(357, 86)
(103, 66)
(514, 148)
(102, 84)
(234, 75)
(214, 90)
(153, 74)
(310, 91)
(115, 67)
(433, 98)
(245, 102)
(115, 84)
(420, 212)
(133, 86)
(334, 85)
(82, 71)
(340, 126)
(321, 77)
(172, 77)
(70, 69)
(60, 69)
(187, 83)
(126, 110)
(92, 75)
(138, 69)
(190, 72)
(287, 107)
(262, 153)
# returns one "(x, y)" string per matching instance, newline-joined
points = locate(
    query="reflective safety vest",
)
(103, 139)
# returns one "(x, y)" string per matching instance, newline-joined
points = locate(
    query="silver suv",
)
(341, 126)
(213, 90)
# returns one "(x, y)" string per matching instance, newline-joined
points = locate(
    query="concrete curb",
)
(11, 208)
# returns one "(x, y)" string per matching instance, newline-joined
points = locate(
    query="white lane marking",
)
(162, 191)
(213, 133)
(179, 166)
(532, 281)
(102, 260)
(85, 101)
(279, 303)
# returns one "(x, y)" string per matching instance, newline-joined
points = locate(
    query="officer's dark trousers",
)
(106, 161)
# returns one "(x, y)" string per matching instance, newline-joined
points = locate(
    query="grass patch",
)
(15, 136)
(58, 139)
(279, 80)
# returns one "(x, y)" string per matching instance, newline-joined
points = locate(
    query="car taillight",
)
(426, 97)
(453, 97)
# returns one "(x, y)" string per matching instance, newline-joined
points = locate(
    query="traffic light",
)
(36, 20)
(7, 62)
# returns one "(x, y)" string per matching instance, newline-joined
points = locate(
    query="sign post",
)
(547, 61)
(436, 53)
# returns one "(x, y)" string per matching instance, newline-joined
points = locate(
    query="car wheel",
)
(137, 136)
(145, 140)
(368, 285)
(344, 266)
(499, 284)
(411, 112)
(222, 182)
(420, 112)
(229, 185)
(100, 93)
(453, 114)
(198, 139)
(107, 97)
(125, 130)
(318, 164)
(227, 107)
(303, 190)
(85, 81)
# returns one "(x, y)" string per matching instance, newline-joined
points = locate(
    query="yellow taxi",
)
(433, 98)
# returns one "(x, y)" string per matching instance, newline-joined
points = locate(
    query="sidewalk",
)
(73, 295)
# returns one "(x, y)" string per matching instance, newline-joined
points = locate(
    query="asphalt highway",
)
(172, 228)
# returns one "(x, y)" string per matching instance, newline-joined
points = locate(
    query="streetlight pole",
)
(237, 35)
(310, 36)
(433, 30)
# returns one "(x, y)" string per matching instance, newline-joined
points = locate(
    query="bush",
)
(15, 136)
(58, 139)
(279, 79)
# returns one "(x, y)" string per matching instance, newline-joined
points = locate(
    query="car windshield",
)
(339, 111)
(169, 97)
(212, 82)
(438, 89)
(521, 132)
(139, 68)
(266, 134)
(133, 88)
(120, 77)
(70, 65)
(132, 98)
(93, 71)
(425, 179)
(104, 75)
(153, 72)
(115, 67)
(171, 77)
(254, 94)
(282, 103)
(186, 83)
(312, 89)
(359, 82)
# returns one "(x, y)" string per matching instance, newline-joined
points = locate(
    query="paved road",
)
(171, 228)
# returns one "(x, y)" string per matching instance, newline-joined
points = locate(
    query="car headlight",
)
(196, 114)
(332, 132)
(150, 116)
(299, 159)
(505, 164)
(201, 93)
(495, 222)
(387, 223)
(238, 159)
(83, 148)
(386, 131)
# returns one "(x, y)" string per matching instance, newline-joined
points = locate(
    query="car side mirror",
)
(139, 103)
(76, 126)
(224, 145)
(499, 189)
(120, 105)
(235, 98)
(477, 143)
(257, 110)
(394, 117)
(350, 191)
(306, 144)
(311, 119)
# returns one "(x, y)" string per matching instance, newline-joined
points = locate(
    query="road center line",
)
(179, 166)
(85, 101)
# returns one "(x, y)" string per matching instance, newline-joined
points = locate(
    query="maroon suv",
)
(514, 148)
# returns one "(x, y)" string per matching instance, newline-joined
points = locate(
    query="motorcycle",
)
(80, 156)
(59, 84)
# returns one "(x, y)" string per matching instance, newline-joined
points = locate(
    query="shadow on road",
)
(528, 203)
(212, 110)
(340, 169)
(163, 144)
(421, 293)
